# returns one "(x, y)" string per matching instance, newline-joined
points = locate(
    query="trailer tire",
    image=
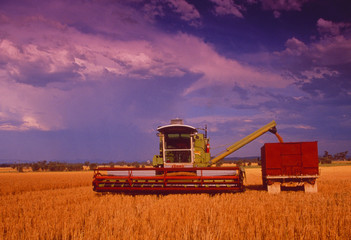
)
(310, 188)
(273, 188)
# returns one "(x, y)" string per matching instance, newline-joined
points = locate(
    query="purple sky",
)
(92, 80)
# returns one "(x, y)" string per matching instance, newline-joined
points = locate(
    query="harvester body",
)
(183, 164)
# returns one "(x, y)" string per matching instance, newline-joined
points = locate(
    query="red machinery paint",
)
(168, 180)
(291, 162)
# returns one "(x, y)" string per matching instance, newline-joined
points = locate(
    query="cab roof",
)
(176, 128)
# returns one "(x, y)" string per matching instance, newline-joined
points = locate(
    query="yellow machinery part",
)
(239, 144)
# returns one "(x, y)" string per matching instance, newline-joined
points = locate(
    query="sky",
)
(92, 80)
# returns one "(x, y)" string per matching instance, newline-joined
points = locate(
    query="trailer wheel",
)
(274, 188)
(310, 188)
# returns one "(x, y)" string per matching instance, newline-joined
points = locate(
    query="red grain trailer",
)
(290, 164)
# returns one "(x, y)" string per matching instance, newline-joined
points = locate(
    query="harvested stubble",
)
(74, 211)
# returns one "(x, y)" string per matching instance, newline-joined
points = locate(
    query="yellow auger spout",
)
(271, 127)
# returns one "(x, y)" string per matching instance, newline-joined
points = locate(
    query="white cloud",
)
(32, 123)
(228, 7)
(7, 49)
(282, 5)
(285, 5)
(295, 47)
(318, 72)
(192, 54)
(21, 61)
(297, 126)
(215, 121)
(90, 56)
(276, 14)
(24, 107)
(331, 28)
(333, 48)
(186, 11)
(72, 102)
(173, 56)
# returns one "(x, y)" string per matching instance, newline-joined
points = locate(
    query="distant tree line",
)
(328, 158)
(48, 166)
(248, 161)
(63, 166)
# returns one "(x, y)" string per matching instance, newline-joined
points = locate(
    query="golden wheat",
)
(63, 206)
(13, 183)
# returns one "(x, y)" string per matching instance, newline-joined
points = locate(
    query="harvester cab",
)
(182, 146)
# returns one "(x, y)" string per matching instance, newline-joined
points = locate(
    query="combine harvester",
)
(184, 165)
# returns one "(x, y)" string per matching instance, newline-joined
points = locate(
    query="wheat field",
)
(63, 206)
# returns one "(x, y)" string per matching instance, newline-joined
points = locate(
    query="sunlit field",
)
(63, 206)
